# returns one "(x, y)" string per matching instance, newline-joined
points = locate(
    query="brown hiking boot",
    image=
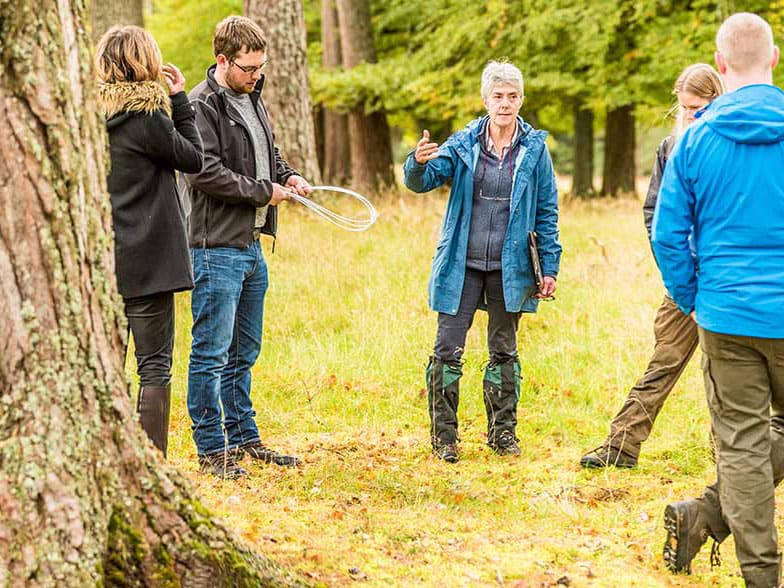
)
(260, 452)
(605, 456)
(223, 465)
(687, 531)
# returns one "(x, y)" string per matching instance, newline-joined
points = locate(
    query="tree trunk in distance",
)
(287, 88)
(371, 150)
(619, 147)
(337, 146)
(85, 499)
(107, 13)
(582, 175)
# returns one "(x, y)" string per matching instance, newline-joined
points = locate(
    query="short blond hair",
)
(745, 40)
(127, 54)
(237, 33)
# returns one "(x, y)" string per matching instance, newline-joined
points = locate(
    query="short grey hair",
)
(500, 72)
(746, 42)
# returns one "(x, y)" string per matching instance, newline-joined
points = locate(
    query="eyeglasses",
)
(249, 69)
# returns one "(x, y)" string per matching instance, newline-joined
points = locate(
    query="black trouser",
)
(501, 326)
(151, 321)
(501, 382)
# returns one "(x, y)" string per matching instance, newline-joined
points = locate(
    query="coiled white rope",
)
(344, 222)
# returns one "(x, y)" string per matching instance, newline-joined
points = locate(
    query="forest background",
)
(84, 498)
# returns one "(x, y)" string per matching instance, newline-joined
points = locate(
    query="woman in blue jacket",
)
(503, 187)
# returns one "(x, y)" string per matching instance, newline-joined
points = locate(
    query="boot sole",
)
(674, 521)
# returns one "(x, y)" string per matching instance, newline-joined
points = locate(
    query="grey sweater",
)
(490, 205)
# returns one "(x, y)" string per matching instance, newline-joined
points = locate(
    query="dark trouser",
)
(744, 383)
(676, 340)
(444, 370)
(151, 320)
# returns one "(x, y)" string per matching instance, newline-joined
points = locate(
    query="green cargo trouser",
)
(744, 383)
(676, 340)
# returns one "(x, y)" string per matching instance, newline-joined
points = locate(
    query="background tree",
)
(287, 89)
(107, 13)
(84, 497)
(336, 164)
(370, 141)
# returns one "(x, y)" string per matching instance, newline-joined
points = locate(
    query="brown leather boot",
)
(153, 408)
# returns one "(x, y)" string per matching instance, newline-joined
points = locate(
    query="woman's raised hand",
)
(174, 79)
(425, 150)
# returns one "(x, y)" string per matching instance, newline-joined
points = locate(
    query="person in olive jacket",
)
(152, 133)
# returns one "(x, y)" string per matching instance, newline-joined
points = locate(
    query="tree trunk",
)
(84, 497)
(371, 151)
(337, 147)
(107, 13)
(619, 168)
(287, 89)
(582, 173)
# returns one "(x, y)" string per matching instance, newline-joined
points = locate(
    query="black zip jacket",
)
(225, 194)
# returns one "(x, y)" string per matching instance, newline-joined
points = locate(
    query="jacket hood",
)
(218, 89)
(131, 98)
(752, 114)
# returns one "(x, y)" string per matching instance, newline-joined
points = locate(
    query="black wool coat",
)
(147, 145)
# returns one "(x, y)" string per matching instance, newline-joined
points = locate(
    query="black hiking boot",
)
(443, 394)
(501, 388)
(223, 465)
(446, 451)
(687, 531)
(606, 456)
(505, 444)
(260, 452)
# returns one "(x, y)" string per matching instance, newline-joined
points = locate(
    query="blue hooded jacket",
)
(725, 181)
(533, 207)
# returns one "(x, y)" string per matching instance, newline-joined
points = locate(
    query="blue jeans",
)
(228, 309)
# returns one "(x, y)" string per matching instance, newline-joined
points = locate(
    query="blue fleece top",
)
(725, 180)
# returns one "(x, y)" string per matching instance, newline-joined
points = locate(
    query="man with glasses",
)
(233, 202)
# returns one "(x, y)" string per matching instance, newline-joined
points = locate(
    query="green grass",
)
(340, 382)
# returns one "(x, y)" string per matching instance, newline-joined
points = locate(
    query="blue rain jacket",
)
(725, 181)
(533, 207)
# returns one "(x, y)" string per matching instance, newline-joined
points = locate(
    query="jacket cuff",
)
(182, 109)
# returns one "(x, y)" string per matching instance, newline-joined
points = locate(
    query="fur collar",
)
(146, 97)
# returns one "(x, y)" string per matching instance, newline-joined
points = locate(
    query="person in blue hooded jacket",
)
(724, 186)
(503, 187)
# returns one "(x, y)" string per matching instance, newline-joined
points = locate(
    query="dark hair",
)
(237, 33)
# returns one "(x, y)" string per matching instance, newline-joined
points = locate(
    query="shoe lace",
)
(715, 556)
(506, 438)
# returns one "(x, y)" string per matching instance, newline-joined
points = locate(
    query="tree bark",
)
(287, 89)
(619, 146)
(337, 146)
(371, 150)
(107, 13)
(84, 497)
(582, 174)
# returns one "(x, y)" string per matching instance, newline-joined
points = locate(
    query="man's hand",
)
(425, 150)
(547, 289)
(279, 194)
(174, 79)
(300, 185)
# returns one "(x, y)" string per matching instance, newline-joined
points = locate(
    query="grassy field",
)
(340, 382)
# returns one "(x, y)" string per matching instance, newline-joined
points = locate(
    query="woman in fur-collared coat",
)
(152, 133)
